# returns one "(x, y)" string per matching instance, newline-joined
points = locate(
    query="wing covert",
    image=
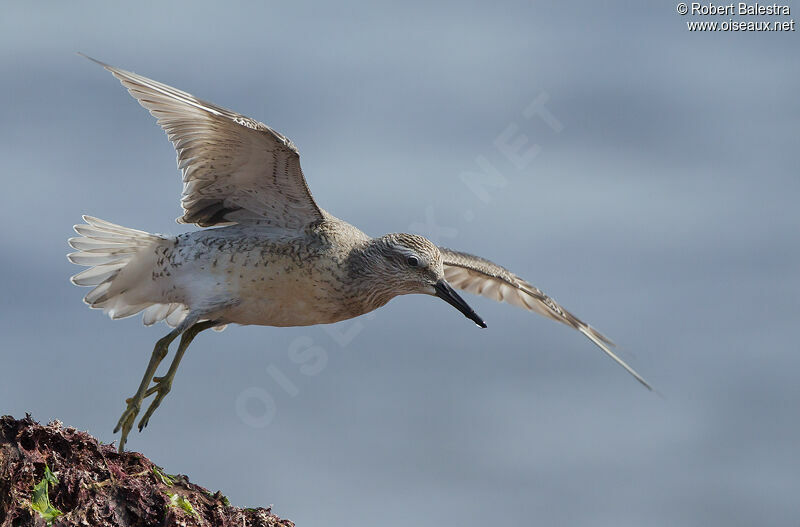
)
(235, 169)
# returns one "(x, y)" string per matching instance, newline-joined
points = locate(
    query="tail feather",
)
(95, 275)
(175, 318)
(98, 294)
(108, 249)
(154, 313)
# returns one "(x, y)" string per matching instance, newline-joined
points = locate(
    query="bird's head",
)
(403, 264)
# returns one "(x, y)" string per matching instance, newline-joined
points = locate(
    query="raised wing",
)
(482, 277)
(235, 169)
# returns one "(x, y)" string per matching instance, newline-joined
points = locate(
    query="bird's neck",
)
(372, 281)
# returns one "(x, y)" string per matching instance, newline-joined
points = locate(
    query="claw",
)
(126, 421)
(161, 389)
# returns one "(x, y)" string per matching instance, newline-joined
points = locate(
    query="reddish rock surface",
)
(99, 487)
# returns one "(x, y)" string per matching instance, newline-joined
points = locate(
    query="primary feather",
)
(482, 277)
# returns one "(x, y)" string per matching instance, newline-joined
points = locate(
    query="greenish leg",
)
(134, 403)
(164, 384)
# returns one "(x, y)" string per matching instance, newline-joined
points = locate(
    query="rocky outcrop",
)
(60, 476)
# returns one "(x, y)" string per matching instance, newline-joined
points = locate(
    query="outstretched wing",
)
(482, 277)
(235, 169)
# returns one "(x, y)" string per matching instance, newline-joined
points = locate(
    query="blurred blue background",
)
(661, 206)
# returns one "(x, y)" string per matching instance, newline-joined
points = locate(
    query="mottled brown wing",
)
(235, 169)
(481, 277)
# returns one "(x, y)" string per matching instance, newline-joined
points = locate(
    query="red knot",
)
(273, 256)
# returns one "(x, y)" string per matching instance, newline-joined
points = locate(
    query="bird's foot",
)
(161, 388)
(126, 420)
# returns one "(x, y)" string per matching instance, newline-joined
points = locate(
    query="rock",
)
(60, 476)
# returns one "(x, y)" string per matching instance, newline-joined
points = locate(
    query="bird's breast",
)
(283, 289)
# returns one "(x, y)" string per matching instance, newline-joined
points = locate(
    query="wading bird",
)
(273, 258)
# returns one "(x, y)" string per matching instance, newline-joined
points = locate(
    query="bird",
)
(267, 254)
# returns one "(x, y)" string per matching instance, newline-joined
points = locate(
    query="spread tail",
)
(120, 262)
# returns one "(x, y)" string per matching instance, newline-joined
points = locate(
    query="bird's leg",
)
(134, 403)
(163, 384)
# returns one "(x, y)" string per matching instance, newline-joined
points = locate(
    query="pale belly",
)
(285, 301)
(278, 292)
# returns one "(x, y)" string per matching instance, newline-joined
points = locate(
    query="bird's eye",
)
(413, 261)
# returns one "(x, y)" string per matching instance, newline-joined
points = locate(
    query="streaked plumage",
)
(275, 257)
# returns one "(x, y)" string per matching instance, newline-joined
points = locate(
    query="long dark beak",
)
(449, 295)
